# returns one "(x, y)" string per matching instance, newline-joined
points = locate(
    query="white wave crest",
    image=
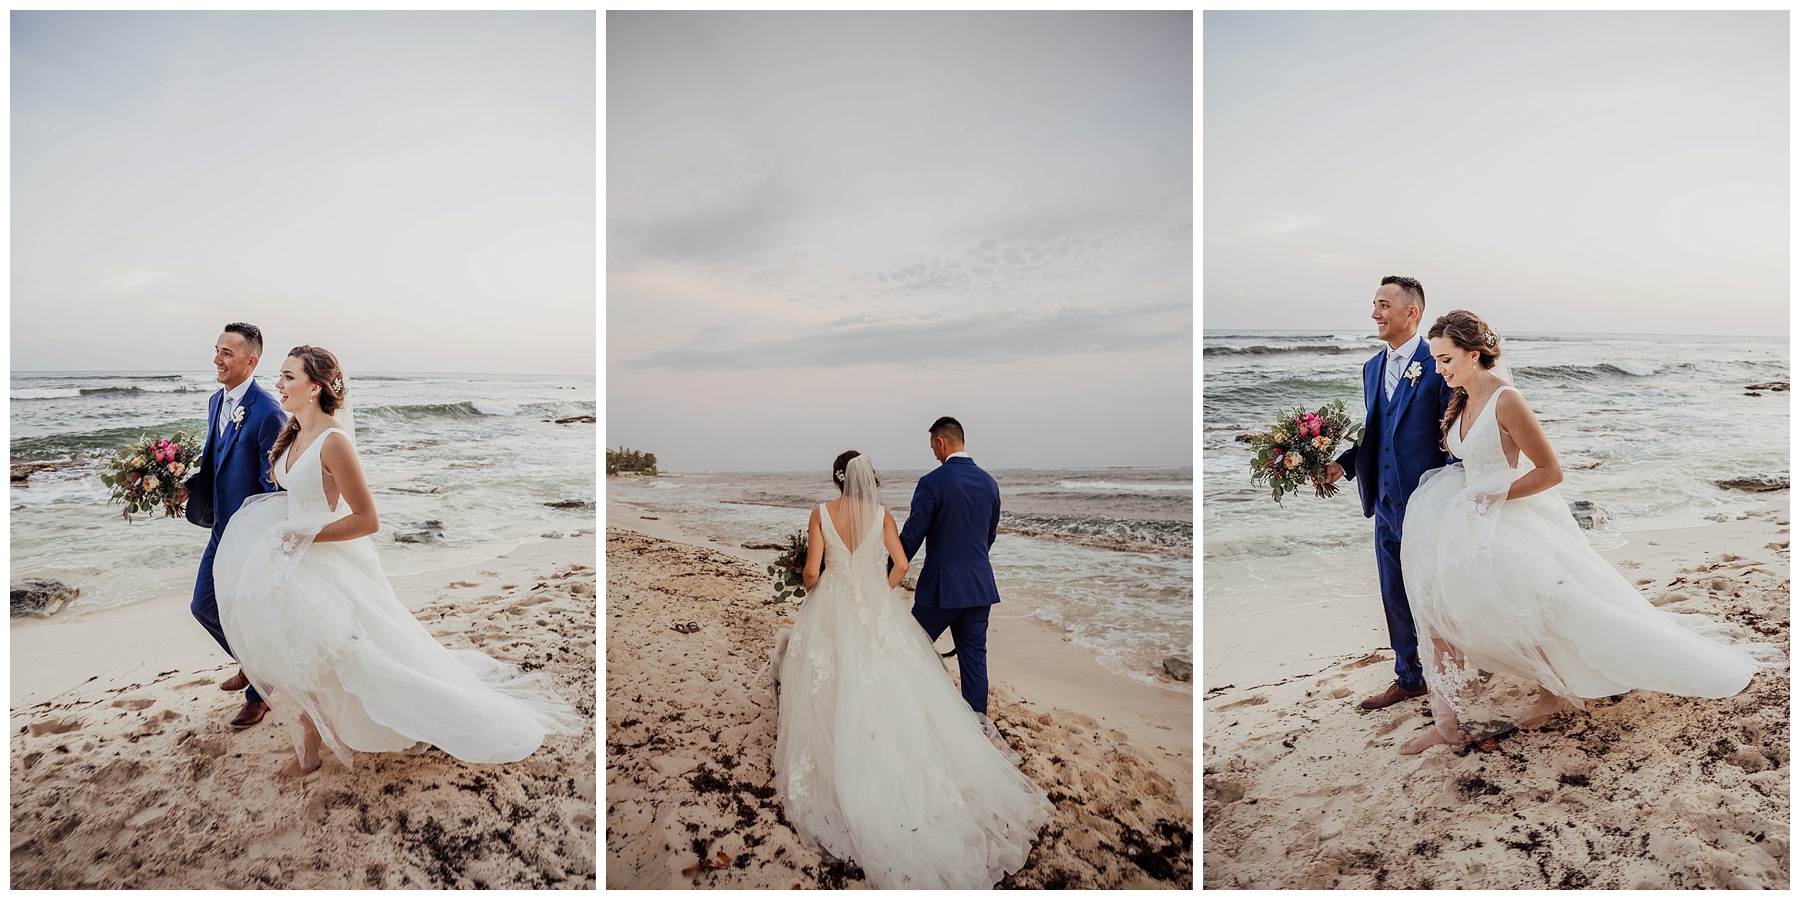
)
(494, 408)
(1108, 487)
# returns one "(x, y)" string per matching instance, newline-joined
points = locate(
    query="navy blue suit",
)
(234, 466)
(1400, 443)
(956, 509)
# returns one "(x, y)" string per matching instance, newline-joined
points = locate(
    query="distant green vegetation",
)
(625, 461)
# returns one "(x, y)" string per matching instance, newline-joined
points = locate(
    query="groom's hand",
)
(1333, 472)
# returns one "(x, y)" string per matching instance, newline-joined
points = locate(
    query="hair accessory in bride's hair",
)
(839, 476)
(337, 384)
(1490, 338)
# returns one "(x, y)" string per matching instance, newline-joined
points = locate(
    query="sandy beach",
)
(1304, 790)
(690, 725)
(125, 773)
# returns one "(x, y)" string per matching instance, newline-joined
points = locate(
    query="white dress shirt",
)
(1398, 359)
(234, 398)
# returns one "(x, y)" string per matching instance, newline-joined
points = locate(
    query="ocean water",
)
(1643, 426)
(487, 443)
(1105, 554)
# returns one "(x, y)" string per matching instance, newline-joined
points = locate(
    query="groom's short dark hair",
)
(252, 336)
(1409, 287)
(947, 428)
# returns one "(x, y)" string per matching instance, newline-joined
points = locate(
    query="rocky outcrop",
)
(426, 532)
(1587, 515)
(22, 471)
(1179, 668)
(1754, 483)
(573, 420)
(570, 504)
(41, 597)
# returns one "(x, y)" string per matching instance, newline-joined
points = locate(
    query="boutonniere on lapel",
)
(237, 415)
(1412, 374)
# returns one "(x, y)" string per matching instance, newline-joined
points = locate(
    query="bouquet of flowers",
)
(148, 474)
(1298, 447)
(787, 569)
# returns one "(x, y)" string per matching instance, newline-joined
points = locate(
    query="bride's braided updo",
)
(1468, 332)
(321, 368)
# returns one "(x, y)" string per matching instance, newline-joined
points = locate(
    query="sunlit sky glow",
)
(1597, 172)
(824, 230)
(415, 191)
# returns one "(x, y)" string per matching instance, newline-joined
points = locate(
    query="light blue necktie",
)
(1393, 372)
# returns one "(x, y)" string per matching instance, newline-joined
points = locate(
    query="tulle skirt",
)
(878, 759)
(1512, 596)
(320, 631)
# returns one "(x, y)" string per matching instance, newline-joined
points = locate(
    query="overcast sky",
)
(1602, 172)
(415, 191)
(825, 230)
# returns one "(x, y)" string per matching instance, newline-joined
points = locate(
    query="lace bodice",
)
(305, 482)
(1481, 452)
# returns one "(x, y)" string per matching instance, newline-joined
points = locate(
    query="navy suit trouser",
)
(968, 627)
(1402, 636)
(206, 604)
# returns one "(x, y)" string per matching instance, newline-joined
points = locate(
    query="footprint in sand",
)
(134, 705)
(1258, 700)
(154, 724)
(461, 584)
(1369, 660)
(211, 748)
(60, 726)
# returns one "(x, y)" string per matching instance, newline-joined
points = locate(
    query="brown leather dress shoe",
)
(251, 714)
(1394, 694)
(235, 683)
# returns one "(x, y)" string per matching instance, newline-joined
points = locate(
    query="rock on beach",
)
(41, 597)
(426, 532)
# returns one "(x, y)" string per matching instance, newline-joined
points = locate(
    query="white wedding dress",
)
(319, 630)
(878, 759)
(1518, 598)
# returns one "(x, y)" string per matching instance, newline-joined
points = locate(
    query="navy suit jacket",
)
(234, 465)
(955, 509)
(1414, 433)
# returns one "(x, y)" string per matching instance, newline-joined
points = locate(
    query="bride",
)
(310, 614)
(1524, 618)
(877, 757)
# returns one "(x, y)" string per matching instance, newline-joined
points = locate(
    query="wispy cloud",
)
(129, 280)
(1046, 245)
(1279, 226)
(981, 338)
(1337, 259)
(731, 228)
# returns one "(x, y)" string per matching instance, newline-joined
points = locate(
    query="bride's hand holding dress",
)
(1522, 616)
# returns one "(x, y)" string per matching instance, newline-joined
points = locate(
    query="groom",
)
(242, 421)
(1405, 399)
(956, 509)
